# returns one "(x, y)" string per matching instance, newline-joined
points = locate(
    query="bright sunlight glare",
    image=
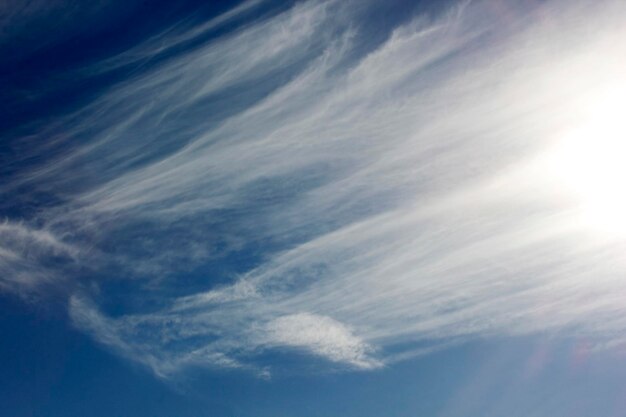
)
(589, 163)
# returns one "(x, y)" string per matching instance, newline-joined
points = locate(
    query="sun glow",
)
(590, 161)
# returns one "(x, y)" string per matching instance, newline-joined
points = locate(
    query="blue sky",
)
(312, 208)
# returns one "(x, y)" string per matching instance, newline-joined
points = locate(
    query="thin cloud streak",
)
(25, 255)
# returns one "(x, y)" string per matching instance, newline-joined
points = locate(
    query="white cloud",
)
(24, 252)
(391, 194)
(322, 336)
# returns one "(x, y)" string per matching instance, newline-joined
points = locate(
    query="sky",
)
(313, 208)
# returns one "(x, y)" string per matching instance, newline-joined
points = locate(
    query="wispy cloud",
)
(322, 336)
(26, 254)
(387, 193)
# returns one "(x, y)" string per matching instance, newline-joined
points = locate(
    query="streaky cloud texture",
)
(371, 198)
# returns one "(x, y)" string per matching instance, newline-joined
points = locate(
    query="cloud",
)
(321, 335)
(296, 184)
(25, 255)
